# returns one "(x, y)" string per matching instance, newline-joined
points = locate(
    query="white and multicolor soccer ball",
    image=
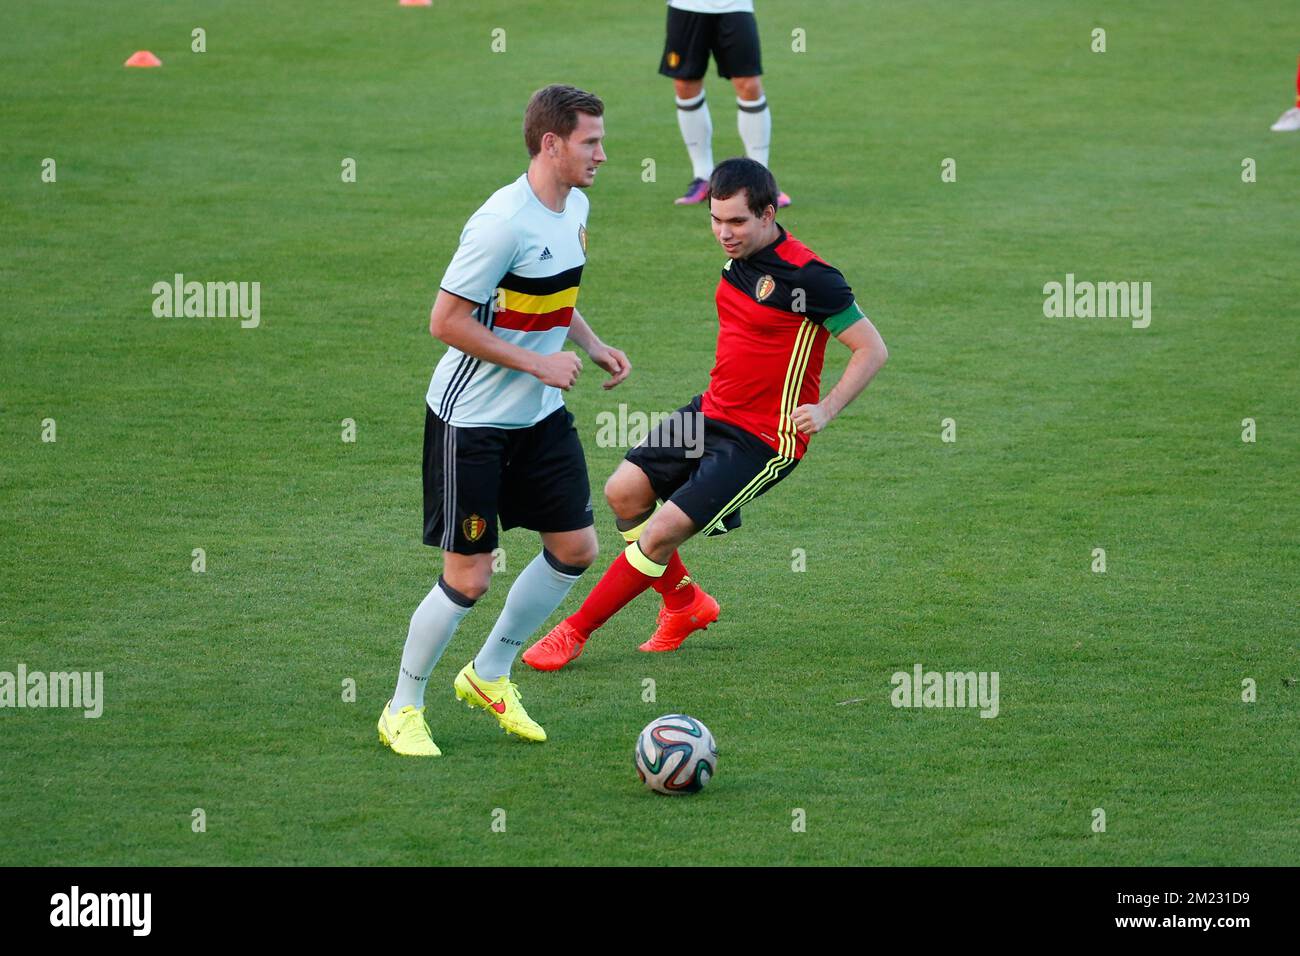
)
(676, 754)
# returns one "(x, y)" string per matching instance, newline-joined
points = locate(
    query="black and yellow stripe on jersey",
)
(794, 372)
(537, 304)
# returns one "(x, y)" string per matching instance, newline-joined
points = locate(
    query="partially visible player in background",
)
(498, 441)
(1289, 121)
(726, 29)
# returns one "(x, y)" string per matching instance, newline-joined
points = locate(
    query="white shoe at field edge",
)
(1288, 122)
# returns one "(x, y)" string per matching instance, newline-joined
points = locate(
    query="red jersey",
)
(776, 309)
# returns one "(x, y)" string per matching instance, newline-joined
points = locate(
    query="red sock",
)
(677, 596)
(616, 588)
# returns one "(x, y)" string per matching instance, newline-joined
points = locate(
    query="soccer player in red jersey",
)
(778, 302)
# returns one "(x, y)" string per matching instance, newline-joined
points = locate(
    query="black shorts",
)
(732, 38)
(533, 477)
(710, 479)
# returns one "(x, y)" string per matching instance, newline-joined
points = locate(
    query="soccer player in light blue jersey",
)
(499, 445)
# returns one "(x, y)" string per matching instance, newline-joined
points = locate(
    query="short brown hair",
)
(555, 109)
(732, 175)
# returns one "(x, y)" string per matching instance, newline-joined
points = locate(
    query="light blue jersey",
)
(522, 263)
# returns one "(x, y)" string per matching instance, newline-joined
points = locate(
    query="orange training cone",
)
(415, 3)
(143, 58)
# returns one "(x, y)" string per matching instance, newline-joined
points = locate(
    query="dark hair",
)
(732, 175)
(555, 109)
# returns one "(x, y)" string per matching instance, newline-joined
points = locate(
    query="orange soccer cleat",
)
(556, 649)
(675, 626)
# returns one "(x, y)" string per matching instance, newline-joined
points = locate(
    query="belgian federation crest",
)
(582, 238)
(473, 527)
(674, 60)
(766, 286)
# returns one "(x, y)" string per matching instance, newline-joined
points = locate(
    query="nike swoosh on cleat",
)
(498, 705)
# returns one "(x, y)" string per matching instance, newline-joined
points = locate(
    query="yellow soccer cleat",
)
(406, 733)
(500, 697)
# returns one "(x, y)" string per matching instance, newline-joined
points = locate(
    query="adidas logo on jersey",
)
(546, 254)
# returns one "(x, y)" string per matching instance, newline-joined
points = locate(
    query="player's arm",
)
(869, 354)
(610, 359)
(452, 321)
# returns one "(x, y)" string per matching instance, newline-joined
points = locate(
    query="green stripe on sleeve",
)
(838, 323)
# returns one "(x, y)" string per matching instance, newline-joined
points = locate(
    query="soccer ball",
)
(676, 754)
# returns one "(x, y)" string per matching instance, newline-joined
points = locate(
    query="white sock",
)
(754, 120)
(432, 625)
(697, 132)
(537, 592)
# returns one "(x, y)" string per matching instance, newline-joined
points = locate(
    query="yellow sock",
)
(634, 534)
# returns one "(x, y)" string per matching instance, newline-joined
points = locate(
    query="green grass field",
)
(223, 690)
